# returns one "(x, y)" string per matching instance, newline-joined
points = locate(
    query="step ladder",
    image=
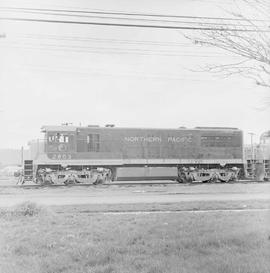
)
(27, 173)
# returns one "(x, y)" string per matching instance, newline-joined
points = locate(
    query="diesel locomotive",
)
(93, 154)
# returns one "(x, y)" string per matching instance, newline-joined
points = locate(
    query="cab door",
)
(81, 143)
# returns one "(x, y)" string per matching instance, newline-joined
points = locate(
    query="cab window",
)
(59, 138)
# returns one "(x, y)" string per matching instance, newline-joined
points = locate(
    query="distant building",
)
(12, 157)
(259, 153)
(10, 170)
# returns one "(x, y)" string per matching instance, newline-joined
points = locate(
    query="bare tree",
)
(247, 35)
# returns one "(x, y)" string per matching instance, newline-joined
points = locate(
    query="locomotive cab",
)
(60, 142)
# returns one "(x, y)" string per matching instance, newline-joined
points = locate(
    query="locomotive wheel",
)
(20, 180)
(99, 181)
(180, 180)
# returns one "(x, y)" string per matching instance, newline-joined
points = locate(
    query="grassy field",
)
(38, 239)
(170, 206)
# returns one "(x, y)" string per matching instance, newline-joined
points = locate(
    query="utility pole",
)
(22, 156)
(252, 154)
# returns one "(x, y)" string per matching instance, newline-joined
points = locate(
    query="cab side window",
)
(58, 138)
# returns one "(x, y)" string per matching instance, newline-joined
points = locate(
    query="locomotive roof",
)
(59, 128)
(71, 128)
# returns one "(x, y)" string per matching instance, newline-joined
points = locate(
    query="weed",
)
(28, 209)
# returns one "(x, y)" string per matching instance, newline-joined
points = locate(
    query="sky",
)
(131, 77)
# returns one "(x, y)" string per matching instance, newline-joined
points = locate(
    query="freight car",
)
(90, 154)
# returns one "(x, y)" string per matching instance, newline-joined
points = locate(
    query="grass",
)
(25, 209)
(36, 239)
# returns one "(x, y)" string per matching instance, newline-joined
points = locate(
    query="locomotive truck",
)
(93, 154)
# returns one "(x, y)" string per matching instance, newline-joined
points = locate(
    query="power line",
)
(135, 19)
(107, 50)
(104, 40)
(129, 25)
(97, 51)
(132, 74)
(96, 40)
(120, 43)
(132, 14)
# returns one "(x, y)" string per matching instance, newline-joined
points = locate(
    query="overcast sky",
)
(86, 74)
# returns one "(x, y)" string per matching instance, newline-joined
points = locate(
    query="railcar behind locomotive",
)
(84, 154)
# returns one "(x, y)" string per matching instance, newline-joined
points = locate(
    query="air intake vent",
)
(92, 126)
(218, 128)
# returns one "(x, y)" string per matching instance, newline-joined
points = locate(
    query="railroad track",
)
(124, 184)
(95, 185)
